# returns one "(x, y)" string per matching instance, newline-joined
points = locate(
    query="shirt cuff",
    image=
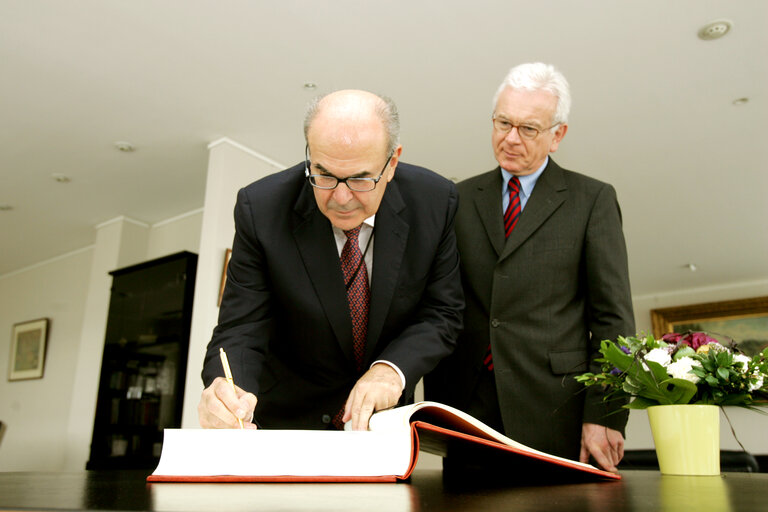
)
(394, 367)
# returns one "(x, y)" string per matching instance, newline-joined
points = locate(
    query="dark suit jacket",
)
(284, 319)
(544, 299)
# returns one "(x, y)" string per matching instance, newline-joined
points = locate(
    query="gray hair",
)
(537, 76)
(385, 109)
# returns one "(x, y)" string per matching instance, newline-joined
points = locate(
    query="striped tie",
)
(512, 215)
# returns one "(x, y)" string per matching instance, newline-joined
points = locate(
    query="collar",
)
(527, 182)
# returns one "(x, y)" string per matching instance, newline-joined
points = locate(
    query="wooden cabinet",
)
(141, 387)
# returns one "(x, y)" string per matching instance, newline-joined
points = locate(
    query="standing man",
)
(544, 269)
(343, 288)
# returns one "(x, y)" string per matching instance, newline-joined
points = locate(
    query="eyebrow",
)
(361, 174)
(532, 124)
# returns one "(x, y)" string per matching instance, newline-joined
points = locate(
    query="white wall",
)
(50, 420)
(170, 236)
(36, 411)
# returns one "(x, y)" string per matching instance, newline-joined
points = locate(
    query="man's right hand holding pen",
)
(221, 405)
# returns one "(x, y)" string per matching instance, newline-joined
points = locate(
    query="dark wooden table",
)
(427, 491)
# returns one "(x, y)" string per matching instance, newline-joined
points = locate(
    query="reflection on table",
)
(428, 490)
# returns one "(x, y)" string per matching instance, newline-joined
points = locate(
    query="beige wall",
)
(37, 411)
(50, 420)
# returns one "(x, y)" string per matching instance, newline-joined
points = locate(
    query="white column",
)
(119, 243)
(231, 166)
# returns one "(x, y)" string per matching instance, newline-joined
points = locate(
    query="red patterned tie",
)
(511, 216)
(358, 294)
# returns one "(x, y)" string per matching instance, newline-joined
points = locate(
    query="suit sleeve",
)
(435, 325)
(609, 300)
(245, 321)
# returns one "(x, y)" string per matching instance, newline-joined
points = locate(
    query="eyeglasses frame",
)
(309, 176)
(538, 131)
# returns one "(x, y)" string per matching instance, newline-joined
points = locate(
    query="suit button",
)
(326, 419)
(495, 323)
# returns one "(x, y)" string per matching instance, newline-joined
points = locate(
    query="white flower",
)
(659, 355)
(681, 369)
(742, 360)
(757, 383)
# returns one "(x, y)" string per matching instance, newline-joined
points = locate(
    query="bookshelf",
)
(143, 367)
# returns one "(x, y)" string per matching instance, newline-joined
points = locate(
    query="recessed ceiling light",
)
(715, 30)
(61, 178)
(691, 266)
(310, 86)
(125, 147)
(741, 101)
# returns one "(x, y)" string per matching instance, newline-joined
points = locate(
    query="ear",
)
(393, 162)
(559, 134)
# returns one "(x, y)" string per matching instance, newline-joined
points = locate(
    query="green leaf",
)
(723, 373)
(658, 371)
(641, 403)
(683, 352)
(678, 391)
(615, 355)
(739, 399)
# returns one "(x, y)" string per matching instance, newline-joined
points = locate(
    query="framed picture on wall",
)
(744, 321)
(28, 350)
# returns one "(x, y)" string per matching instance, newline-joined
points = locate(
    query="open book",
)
(387, 452)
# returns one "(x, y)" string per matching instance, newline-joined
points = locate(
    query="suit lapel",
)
(487, 197)
(314, 238)
(548, 194)
(391, 234)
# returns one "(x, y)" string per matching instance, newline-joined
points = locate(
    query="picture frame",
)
(28, 346)
(744, 321)
(227, 256)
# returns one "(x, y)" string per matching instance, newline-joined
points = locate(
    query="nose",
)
(513, 136)
(342, 194)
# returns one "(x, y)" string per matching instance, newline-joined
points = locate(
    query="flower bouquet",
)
(682, 379)
(688, 368)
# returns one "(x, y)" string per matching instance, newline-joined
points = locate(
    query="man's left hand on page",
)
(378, 389)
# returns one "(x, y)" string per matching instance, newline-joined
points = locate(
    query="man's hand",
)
(220, 407)
(378, 389)
(604, 444)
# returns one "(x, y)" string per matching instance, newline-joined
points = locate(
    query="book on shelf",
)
(387, 452)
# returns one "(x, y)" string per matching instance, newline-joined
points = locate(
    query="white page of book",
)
(203, 452)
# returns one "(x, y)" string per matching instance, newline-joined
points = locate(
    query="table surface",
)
(427, 490)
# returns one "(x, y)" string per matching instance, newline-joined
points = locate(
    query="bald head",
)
(350, 117)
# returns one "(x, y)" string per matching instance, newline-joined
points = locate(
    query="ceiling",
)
(653, 109)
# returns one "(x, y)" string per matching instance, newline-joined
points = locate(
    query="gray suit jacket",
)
(544, 299)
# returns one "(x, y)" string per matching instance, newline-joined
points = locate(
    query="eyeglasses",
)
(525, 131)
(329, 182)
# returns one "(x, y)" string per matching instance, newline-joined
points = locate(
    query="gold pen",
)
(228, 376)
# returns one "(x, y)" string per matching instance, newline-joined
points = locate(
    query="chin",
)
(346, 223)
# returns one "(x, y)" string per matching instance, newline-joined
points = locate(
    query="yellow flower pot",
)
(687, 438)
